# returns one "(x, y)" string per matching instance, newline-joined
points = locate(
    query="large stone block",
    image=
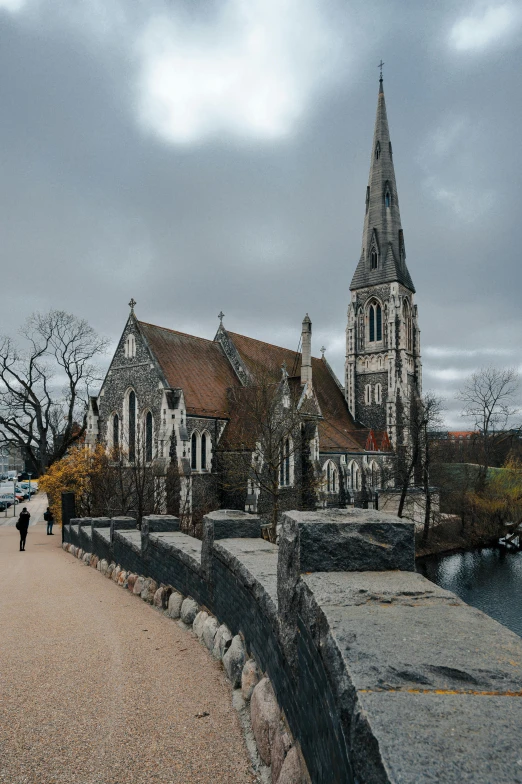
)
(234, 660)
(349, 540)
(265, 716)
(175, 602)
(122, 524)
(291, 771)
(222, 641)
(210, 628)
(189, 610)
(249, 679)
(100, 522)
(226, 524)
(149, 589)
(199, 622)
(233, 524)
(159, 523)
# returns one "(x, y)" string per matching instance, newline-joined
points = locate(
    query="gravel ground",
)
(96, 687)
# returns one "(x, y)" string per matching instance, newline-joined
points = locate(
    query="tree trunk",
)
(406, 482)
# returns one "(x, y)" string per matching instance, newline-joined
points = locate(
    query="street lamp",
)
(29, 475)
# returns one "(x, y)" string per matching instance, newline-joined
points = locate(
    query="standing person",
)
(49, 519)
(23, 525)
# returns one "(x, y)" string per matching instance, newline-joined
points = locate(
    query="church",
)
(175, 399)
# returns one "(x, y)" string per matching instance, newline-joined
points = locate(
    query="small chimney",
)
(306, 341)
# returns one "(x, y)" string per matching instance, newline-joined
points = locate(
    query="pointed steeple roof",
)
(383, 257)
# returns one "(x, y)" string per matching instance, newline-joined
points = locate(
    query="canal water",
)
(490, 579)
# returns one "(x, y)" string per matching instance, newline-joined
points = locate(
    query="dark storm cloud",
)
(207, 156)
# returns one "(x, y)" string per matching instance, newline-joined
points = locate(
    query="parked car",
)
(7, 499)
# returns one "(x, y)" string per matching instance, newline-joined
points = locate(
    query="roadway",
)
(36, 508)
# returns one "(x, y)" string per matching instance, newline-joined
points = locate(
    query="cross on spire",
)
(221, 316)
(132, 304)
(323, 349)
(379, 66)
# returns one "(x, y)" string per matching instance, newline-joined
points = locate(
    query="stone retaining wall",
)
(358, 670)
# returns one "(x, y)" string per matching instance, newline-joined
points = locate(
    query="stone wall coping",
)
(347, 540)
(100, 522)
(103, 533)
(410, 684)
(186, 548)
(83, 523)
(231, 514)
(398, 649)
(157, 523)
(351, 515)
(131, 538)
(254, 562)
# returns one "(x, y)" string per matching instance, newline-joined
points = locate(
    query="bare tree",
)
(424, 416)
(131, 482)
(44, 385)
(267, 437)
(489, 401)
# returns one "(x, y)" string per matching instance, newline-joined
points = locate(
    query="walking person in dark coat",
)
(23, 525)
(49, 519)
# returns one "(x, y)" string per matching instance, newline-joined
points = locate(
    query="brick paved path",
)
(96, 687)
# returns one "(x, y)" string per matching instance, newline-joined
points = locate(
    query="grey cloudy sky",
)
(201, 155)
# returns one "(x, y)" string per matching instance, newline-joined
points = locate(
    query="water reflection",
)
(490, 579)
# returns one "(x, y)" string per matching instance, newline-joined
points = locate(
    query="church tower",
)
(383, 365)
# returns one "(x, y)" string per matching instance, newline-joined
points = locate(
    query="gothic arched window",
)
(148, 437)
(360, 329)
(373, 258)
(377, 151)
(132, 426)
(374, 322)
(285, 468)
(354, 476)
(378, 319)
(387, 199)
(194, 451)
(115, 431)
(330, 477)
(204, 452)
(407, 326)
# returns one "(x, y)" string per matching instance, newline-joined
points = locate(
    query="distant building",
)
(11, 459)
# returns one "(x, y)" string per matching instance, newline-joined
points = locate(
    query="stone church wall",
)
(374, 414)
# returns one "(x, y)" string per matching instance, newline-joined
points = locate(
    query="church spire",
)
(383, 256)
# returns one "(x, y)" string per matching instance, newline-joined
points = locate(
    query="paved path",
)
(97, 687)
(36, 506)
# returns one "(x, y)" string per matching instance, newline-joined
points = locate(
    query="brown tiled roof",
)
(195, 365)
(337, 430)
(200, 368)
